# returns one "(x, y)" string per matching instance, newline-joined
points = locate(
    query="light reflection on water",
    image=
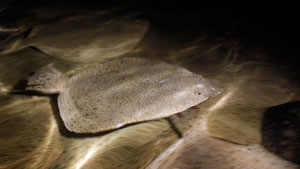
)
(250, 86)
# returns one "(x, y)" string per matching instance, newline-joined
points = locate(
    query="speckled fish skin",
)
(129, 90)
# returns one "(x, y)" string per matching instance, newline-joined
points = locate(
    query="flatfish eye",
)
(199, 93)
(200, 85)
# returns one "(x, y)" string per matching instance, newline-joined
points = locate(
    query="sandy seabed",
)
(259, 105)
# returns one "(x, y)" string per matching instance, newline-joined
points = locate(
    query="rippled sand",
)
(259, 106)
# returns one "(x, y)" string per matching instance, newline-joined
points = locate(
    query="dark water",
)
(249, 52)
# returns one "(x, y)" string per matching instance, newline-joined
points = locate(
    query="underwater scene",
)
(145, 85)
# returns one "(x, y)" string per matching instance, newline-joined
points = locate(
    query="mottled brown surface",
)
(251, 79)
(120, 92)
